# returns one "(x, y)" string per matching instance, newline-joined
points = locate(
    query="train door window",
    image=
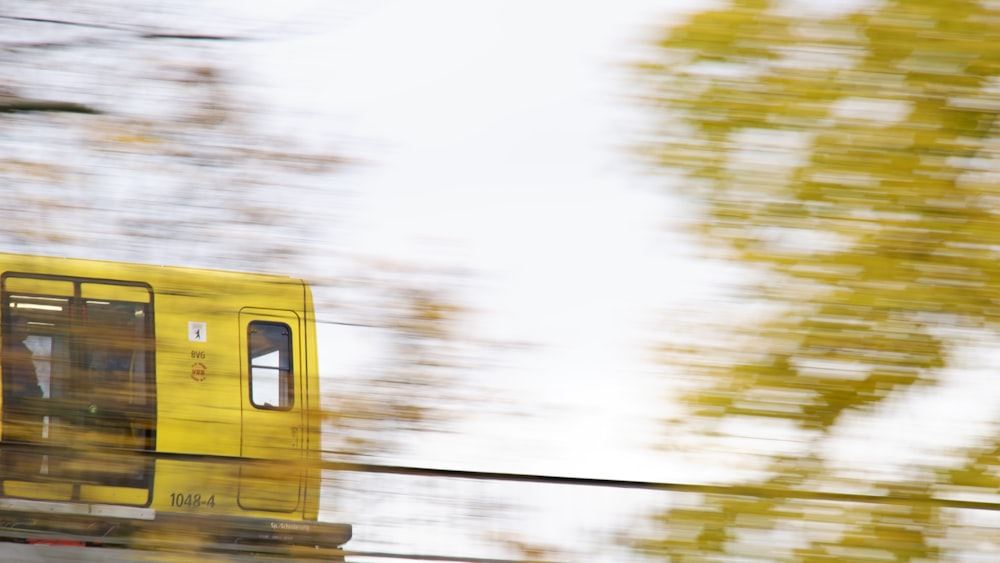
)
(80, 346)
(270, 355)
(116, 345)
(36, 358)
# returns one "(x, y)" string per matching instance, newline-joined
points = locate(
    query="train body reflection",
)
(142, 399)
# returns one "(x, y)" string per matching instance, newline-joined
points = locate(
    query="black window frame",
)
(285, 373)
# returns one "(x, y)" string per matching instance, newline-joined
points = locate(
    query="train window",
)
(36, 352)
(115, 351)
(270, 353)
(70, 347)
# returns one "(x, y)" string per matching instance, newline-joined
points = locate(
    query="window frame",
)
(285, 374)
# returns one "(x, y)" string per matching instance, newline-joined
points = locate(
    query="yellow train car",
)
(141, 399)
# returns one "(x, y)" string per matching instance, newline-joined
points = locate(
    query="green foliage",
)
(853, 159)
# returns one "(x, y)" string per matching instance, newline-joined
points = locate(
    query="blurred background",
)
(732, 263)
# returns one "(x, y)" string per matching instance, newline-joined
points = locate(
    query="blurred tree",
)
(125, 130)
(129, 134)
(849, 159)
(412, 387)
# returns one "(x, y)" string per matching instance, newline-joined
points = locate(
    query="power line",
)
(122, 29)
(66, 22)
(429, 557)
(757, 491)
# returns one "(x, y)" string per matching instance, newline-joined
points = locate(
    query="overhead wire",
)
(759, 491)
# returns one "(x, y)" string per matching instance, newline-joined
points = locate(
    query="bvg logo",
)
(198, 371)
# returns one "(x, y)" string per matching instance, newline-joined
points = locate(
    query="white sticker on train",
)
(197, 332)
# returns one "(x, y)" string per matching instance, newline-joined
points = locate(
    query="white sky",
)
(494, 133)
(493, 136)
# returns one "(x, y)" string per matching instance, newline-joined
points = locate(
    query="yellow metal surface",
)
(204, 413)
(39, 491)
(113, 495)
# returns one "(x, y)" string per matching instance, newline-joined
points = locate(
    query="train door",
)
(273, 410)
(78, 394)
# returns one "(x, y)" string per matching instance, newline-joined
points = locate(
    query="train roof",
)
(162, 277)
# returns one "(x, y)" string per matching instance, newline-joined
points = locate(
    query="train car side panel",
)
(173, 390)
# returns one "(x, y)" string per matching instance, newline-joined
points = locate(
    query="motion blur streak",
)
(844, 161)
